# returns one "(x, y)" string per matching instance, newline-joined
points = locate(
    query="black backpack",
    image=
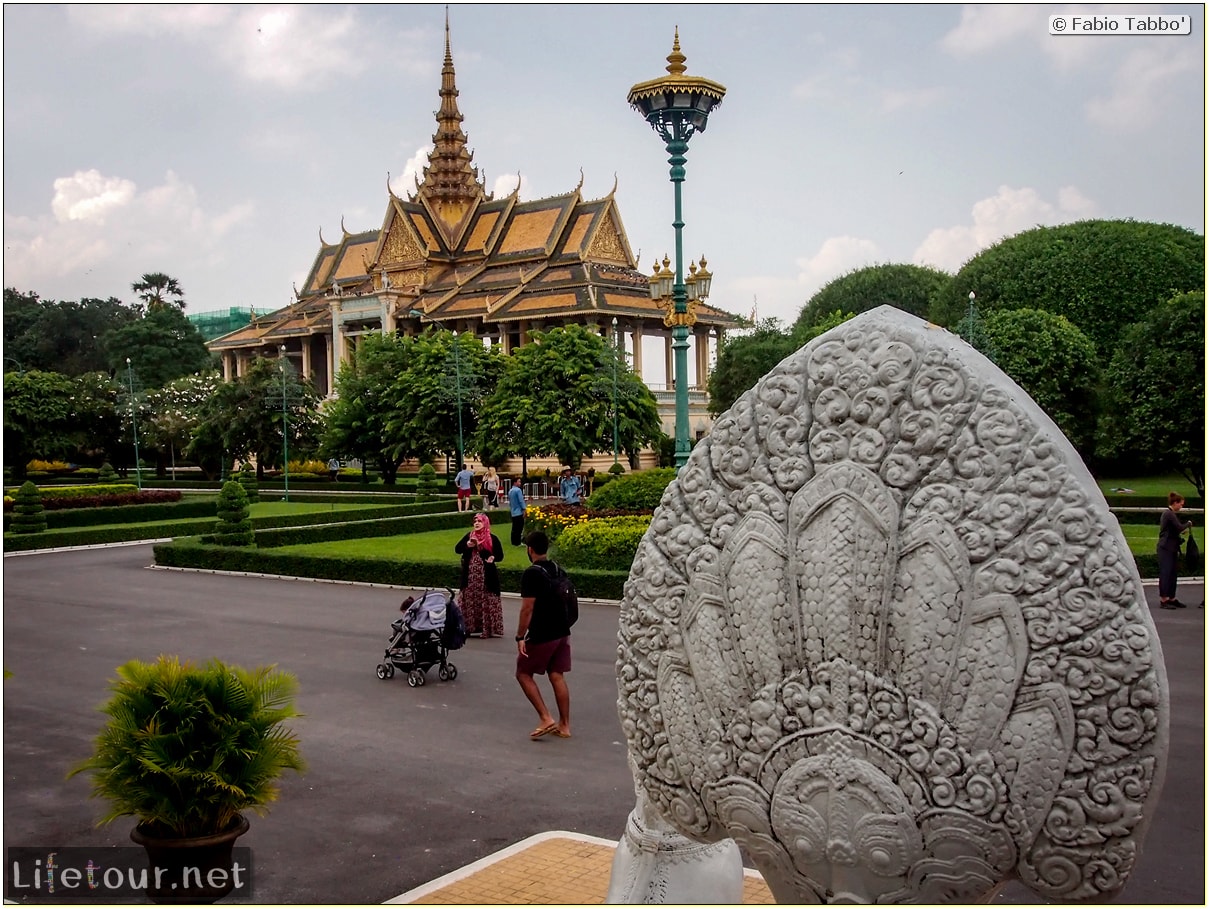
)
(453, 635)
(564, 590)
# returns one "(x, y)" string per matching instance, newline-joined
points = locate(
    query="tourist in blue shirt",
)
(516, 505)
(568, 487)
(464, 481)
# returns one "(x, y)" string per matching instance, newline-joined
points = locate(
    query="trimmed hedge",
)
(190, 552)
(1117, 500)
(157, 530)
(419, 518)
(122, 514)
(601, 542)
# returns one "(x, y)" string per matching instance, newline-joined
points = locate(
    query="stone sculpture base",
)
(654, 864)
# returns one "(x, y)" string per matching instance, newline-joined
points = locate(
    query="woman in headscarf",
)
(481, 551)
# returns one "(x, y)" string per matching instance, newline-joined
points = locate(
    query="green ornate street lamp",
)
(134, 424)
(677, 106)
(457, 372)
(285, 427)
(616, 355)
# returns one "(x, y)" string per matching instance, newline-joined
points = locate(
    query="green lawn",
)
(1148, 486)
(255, 510)
(434, 546)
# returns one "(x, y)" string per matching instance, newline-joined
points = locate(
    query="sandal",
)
(543, 730)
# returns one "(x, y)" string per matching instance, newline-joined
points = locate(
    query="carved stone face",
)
(884, 633)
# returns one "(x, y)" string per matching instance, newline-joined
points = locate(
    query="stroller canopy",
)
(427, 613)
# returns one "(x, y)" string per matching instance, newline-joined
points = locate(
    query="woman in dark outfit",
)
(481, 551)
(1171, 528)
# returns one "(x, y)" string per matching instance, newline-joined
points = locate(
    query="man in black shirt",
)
(543, 641)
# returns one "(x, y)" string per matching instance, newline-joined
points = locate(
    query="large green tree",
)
(1054, 362)
(556, 398)
(158, 291)
(743, 360)
(1101, 275)
(911, 288)
(355, 423)
(38, 418)
(243, 419)
(162, 346)
(174, 414)
(65, 337)
(1154, 415)
(424, 399)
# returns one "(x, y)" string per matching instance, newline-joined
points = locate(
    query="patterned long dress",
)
(482, 610)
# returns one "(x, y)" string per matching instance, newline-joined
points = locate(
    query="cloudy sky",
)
(215, 143)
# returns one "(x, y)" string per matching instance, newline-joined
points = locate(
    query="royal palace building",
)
(452, 254)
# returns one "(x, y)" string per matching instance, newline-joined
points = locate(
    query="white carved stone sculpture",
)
(653, 864)
(885, 634)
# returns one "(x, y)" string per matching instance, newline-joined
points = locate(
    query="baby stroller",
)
(430, 627)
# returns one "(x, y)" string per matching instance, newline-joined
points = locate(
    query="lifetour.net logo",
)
(111, 874)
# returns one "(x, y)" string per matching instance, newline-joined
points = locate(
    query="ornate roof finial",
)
(343, 229)
(675, 60)
(581, 180)
(613, 191)
(321, 241)
(449, 176)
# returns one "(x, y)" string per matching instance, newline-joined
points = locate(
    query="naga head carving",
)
(884, 632)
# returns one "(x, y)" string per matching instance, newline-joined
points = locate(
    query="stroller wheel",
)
(443, 672)
(415, 678)
(385, 671)
(452, 671)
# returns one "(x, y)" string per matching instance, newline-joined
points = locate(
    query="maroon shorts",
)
(463, 493)
(551, 656)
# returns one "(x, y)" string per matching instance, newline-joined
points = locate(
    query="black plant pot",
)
(194, 869)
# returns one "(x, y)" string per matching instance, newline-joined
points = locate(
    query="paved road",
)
(403, 784)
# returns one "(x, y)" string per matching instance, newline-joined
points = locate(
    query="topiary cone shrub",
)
(29, 515)
(247, 479)
(234, 528)
(426, 483)
(107, 474)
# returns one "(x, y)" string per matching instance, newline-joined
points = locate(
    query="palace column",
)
(701, 344)
(636, 362)
(669, 371)
(306, 356)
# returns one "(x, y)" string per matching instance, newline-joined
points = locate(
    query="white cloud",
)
(905, 99)
(1138, 86)
(984, 28)
(88, 196)
(504, 186)
(1008, 212)
(108, 226)
(837, 256)
(405, 184)
(289, 47)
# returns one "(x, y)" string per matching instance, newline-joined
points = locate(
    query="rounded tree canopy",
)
(1101, 275)
(911, 288)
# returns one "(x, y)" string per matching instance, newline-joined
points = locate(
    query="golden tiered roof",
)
(454, 252)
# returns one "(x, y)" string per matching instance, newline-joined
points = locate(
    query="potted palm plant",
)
(186, 750)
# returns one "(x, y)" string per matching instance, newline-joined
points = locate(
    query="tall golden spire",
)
(451, 183)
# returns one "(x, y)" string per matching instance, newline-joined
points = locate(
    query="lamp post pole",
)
(677, 106)
(134, 425)
(285, 428)
(616, 354)
(457, 374)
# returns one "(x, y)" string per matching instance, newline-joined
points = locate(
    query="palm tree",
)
(155, 287)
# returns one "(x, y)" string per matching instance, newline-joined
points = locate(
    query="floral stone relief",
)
(885, 634)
